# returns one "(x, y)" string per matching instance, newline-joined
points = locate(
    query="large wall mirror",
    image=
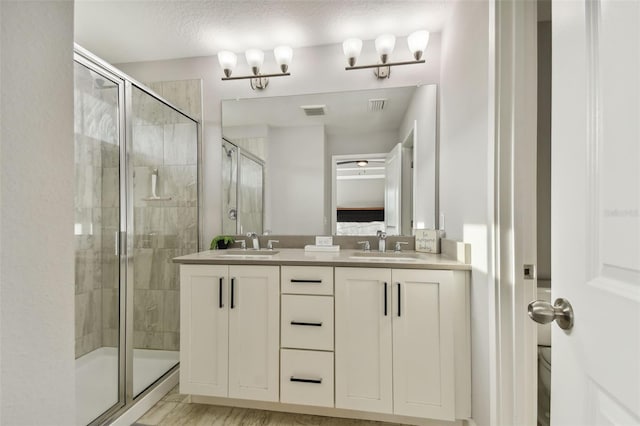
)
(345, 163)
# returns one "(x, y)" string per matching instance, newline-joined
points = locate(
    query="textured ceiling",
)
(131, 31)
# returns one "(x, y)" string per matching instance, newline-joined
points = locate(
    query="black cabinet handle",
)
(233, 281)
(312, 324)
(294, 280)
(385, 299)
(220, 303)
(302, 380)
(399, 301)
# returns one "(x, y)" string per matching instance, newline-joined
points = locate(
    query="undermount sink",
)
(261, 253)
(385, 256)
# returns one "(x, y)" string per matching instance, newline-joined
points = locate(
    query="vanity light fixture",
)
(385, 44)
(255, 58)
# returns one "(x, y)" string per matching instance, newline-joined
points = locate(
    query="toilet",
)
(544, 360)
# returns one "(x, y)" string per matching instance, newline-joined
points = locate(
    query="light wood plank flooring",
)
(175, 409)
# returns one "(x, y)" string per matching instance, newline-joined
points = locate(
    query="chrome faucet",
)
(366, 246)
(382, 241)
(398, 247)
(254, 239)
(270, 244)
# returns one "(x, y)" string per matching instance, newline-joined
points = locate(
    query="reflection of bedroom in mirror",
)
(374, 192)
(359, 193)
(296, 139)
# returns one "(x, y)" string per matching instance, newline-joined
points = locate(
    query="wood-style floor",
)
(175, 409)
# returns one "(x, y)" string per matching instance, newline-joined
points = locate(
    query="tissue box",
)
(428, 240)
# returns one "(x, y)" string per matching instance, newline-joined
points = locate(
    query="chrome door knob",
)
(544, 312)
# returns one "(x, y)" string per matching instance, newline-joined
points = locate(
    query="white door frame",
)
(334, 181)
(515, 355)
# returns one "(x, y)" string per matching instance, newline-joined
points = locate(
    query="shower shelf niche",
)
(154, 194)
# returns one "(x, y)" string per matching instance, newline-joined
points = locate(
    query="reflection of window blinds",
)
(366, 214)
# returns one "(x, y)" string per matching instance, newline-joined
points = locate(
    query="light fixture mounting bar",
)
(388, 64)
(245, 77)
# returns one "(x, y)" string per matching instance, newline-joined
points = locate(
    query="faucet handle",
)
(366, 245)
(243, 244)
(270, 244)
(398, 246)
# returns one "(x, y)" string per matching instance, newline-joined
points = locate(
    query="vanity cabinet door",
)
(363, 350)
(204, 329)
(254, 332)
(423, 343)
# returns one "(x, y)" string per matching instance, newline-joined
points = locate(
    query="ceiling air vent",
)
(314, 110)
(377, 104)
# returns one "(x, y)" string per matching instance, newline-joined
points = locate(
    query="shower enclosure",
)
(136, 208)
(242, 190)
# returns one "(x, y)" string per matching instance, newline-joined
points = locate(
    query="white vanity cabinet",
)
(395, 348)
(229, 318)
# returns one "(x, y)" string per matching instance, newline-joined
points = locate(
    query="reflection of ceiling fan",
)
(361, 163)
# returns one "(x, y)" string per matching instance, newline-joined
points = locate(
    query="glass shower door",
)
(250, 194)
(97, 139)
(163, 152)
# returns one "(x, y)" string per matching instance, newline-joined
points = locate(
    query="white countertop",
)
(300, 257)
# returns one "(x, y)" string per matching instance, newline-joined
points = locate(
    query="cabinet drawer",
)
(307, 280)
(307, 322)
(306, 377)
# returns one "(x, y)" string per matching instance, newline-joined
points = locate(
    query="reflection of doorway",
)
(407, 182)
(358, 194)
(374, 192)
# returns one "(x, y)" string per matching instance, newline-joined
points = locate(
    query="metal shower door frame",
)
(239, 201)
(126, 85)
(122, 226)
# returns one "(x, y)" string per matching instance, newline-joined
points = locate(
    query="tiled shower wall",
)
(166, 141)
(163, 140)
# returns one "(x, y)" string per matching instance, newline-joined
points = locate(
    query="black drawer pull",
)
(220, 304)
(301, 380)
(233, 282)
(385, 299)
(294, 280)
(311, 324)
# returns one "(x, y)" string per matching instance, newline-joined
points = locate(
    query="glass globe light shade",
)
(417, 42)
(283, 55)
(352, 48)
(228, 61)
(255, 58)
(384, 46)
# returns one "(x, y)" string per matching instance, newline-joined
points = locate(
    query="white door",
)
(204, 330)
(254, 332)
(423, 353)
(363, 346)
(393, 191)
(596, 211)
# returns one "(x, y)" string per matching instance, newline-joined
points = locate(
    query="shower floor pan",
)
(97, 378)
